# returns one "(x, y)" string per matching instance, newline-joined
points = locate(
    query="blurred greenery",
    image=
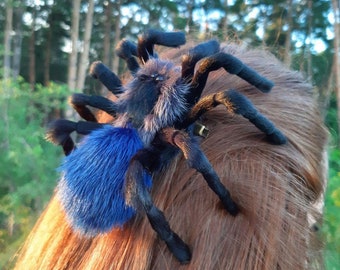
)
(331, 225)
(28, 162)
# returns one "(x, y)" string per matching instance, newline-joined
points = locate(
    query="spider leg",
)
(59, 131)
(80, 101)
(152, 37)
(110, 80)
(197, 160)
(127, 50)
(232, 65)
(195, 54)
(137, 194)
(237, 103)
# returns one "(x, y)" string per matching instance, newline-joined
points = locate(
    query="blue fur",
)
(92, 187)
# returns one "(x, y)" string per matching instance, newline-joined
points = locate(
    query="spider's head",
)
(159, 75)
(155, 97)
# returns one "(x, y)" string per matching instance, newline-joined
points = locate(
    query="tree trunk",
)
(7, 41)
(107, 33)
(190, 21)
(264, 15)
(84, 60)
(17, 42)
(309, 46)
(115, 58)
(336, 11)
(32, 74)
(108, 55)
(47, 60)
(224, 21)
(288, 42)
(72, 67)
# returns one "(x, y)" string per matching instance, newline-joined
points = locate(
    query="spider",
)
(106, 179)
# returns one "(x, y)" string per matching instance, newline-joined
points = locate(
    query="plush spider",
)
(107, 178)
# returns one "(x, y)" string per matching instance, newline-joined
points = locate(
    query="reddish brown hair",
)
(275, 186)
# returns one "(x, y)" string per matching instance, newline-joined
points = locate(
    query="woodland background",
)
(48, 45)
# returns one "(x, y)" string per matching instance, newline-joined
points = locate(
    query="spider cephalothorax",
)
(148, 100)
(108, 176)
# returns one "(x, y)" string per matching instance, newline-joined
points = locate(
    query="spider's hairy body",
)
(148, 101)
(107, 178)
(145, 107)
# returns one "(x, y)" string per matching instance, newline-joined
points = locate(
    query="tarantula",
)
(107, 178)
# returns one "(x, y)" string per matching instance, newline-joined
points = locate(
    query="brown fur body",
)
(275, 186)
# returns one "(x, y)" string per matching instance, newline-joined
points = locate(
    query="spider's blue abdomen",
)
(92, 186)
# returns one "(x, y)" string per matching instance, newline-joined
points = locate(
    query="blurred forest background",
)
(48, 45)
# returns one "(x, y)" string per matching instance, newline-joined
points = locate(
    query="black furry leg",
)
(80, 101)
(232, 65)
(138, 195)
(110, 80)
(237, 103)
(59, 131)
(195, 54)
(127, 50)
(197, 160)
(153, 37)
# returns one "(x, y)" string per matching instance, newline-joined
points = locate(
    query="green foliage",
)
(331, 226)
(28, 162)
(331, 119)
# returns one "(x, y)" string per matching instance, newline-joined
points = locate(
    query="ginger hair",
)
(276, 188)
